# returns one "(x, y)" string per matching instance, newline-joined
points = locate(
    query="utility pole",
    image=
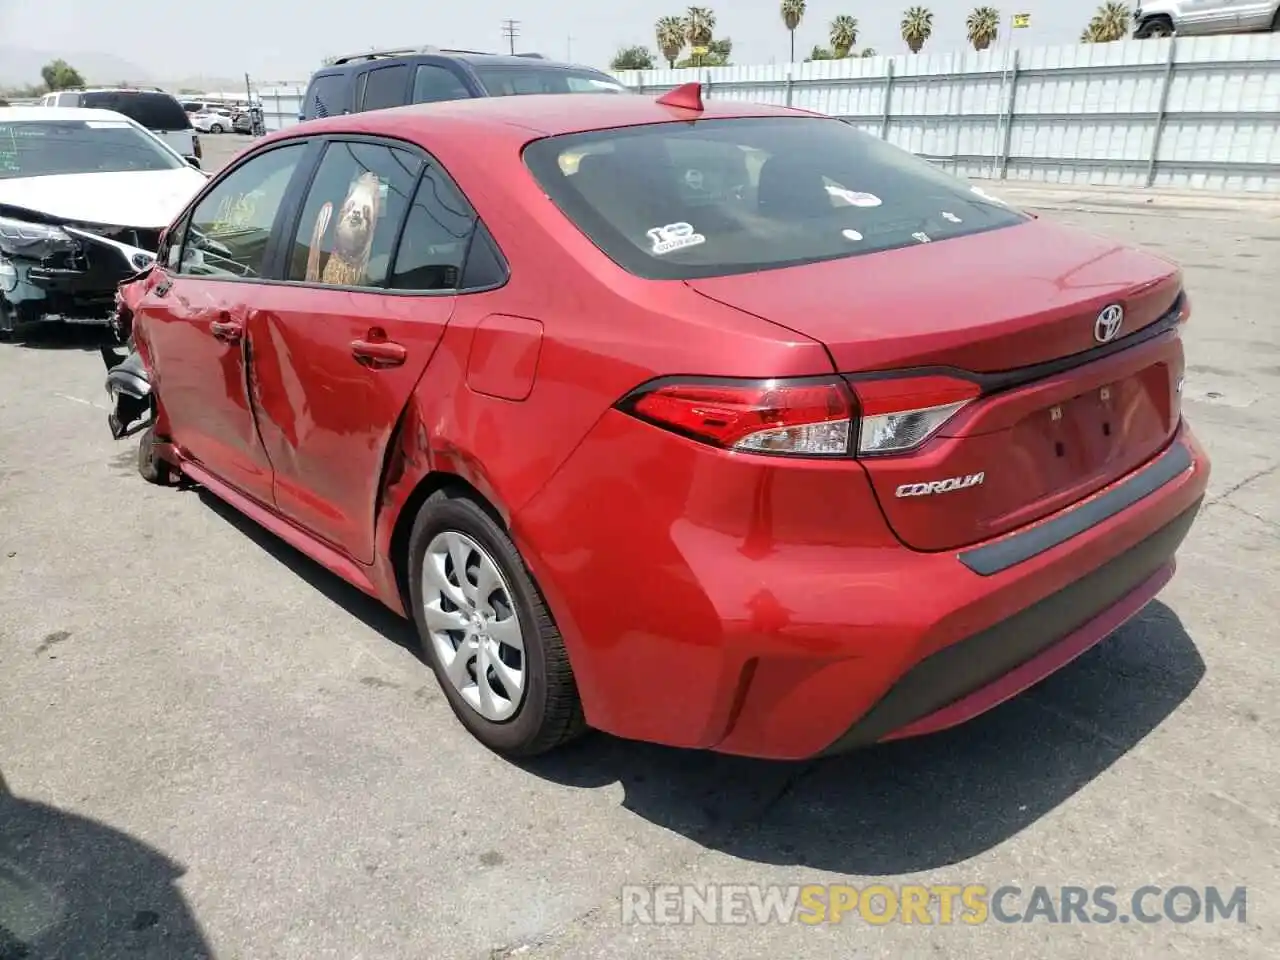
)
(511, 30)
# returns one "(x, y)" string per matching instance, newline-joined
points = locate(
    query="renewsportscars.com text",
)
(968, 905)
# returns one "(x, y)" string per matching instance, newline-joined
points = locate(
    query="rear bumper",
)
(968, 678)
(729, 604)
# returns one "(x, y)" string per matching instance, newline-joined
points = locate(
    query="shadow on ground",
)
(360, 605)
(73, 887)
(63, 336)
(899, 808)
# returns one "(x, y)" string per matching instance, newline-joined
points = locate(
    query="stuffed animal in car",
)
(348, 263)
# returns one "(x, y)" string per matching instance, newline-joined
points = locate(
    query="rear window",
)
(718, 197)
(155, 111)
(326, 96)
(510, 81)
(54, 147)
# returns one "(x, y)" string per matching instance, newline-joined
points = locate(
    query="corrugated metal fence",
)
(1190, 112)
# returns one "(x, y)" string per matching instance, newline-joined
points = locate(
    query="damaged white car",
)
(84, 197)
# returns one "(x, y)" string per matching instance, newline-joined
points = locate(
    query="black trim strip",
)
(990, 383)
(1000, 556)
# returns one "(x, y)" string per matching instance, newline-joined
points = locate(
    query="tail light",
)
(901, 413)
(809, 417)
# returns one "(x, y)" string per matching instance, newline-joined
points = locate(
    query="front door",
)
(193, 319)
(338, 348)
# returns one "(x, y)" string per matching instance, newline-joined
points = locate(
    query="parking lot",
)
(212, 747)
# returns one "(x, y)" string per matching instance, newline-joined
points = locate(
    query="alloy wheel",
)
(474, 625)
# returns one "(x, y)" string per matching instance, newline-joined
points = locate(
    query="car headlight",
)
(20, 233)
(8, 276)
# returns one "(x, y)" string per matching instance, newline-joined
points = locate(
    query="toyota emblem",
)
(1107, 326)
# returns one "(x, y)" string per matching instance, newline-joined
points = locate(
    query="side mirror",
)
(194, 161)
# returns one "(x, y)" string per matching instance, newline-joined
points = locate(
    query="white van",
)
(159, 112)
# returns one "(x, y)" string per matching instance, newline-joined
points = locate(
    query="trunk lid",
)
(1061, 415)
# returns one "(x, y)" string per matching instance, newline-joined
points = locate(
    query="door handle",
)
(378, 353)
(226, 330)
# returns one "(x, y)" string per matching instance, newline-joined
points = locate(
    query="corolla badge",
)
(940, 486)
(1107, 326)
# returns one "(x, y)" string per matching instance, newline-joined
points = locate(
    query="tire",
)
(1155, 29)
(150, 467)
(216, 128)
(546, 713)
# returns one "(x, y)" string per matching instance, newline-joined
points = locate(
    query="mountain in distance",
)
(20, 66)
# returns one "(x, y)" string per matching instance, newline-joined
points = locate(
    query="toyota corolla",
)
(719, 425)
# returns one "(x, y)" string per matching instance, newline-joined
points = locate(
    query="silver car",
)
(1164, 18)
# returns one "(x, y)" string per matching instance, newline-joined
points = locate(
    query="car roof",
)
(463, 56)
(540, 114)
(35, 114)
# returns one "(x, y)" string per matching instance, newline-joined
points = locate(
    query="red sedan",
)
(718, 425)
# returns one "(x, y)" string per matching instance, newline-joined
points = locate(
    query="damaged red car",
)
(721, 425)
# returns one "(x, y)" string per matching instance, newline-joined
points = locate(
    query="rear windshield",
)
(510, 81)
(717, 197)
(155, 111)
(54, 147)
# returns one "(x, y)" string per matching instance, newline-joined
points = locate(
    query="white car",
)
(213, 121)
(156, 110)
(84, 197)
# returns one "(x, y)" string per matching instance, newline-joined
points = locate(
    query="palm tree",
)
(917, 27)
(1111, 22)
(983, 25)
(792, 14)
(844, 34)
(670, 34)
(699, 24)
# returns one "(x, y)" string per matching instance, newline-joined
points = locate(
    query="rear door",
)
(194, 314)
(339, 345)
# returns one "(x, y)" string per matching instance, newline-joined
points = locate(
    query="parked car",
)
(754, 433)
(393, 78)
(84, 195)
(1164, 18)
(213, 121)
(156, 110)
(242, 122)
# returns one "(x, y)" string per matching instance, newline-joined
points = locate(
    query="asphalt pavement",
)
(212, 747)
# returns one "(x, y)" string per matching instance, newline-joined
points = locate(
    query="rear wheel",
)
(1155, 28)
(216, 128)
(486, 631)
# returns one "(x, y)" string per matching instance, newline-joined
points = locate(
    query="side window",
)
(432, 84)
(385, 88)
(352, 215)
(434, 244)
(485, 266)
(68, 99)
(231, 225)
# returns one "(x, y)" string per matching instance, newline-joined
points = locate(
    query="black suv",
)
(392, 78)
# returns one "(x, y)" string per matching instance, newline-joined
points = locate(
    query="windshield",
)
(508, 81)
(717, 197)
(47, 148)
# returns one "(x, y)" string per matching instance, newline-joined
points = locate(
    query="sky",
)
(286, 39)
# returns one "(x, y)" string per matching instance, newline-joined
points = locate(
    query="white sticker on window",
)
(674, 236)
(105, 124)
(853, 197)
(987, 196)
(922, 237)
(951, 216)
(851, 235)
